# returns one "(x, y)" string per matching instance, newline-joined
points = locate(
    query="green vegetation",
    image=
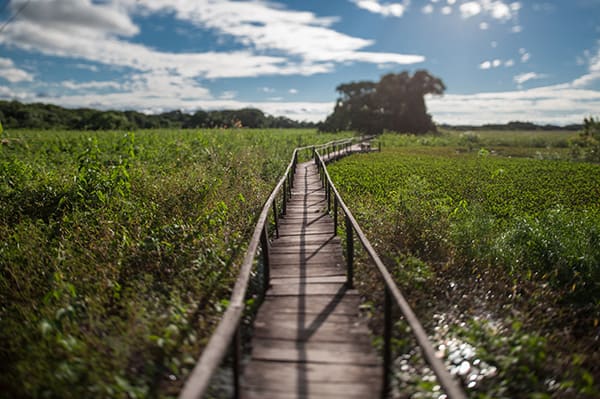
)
(515, 241)
(119, 250)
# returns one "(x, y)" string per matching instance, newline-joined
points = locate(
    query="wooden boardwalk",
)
(308, 339)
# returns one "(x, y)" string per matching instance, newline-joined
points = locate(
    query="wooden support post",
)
(335, 215)
(284, 205)
(276, 217)
(387, 342)
(350, 255)
(237, 362)
(328, 193)
(264, 243)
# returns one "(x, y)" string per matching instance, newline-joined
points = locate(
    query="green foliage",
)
(119, 250)
(528, 226)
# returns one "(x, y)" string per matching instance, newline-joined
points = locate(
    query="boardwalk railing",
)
(227, 333)
(392, 292)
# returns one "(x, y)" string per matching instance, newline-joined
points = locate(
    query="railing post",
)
(350, 248)
(328, 197)
(335, 214)
(284, 205)
(275, 217)
(292, 174)
(264, 243)
(237, 359)
(387, 342)
(379, 146)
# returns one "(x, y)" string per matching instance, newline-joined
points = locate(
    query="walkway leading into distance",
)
(308, 339)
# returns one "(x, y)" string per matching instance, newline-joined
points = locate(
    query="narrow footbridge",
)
(308, 339)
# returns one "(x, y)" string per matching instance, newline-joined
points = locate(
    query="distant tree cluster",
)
(395, 103)
(14, 114)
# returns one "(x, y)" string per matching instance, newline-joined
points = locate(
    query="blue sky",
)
(535, 61)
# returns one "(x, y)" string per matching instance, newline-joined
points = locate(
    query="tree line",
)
(14, 114)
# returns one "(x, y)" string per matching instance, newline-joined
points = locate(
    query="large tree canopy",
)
(396, 103)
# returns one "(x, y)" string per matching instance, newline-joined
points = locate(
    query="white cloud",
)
(293, 91)
(71, 85)
(496, 63)
(527, 76)
(267, 89)
(386, 9)
(470, 9)
(9, 72)
(228, 95)
(446, 10)
(495, 9)
(78, 17)
(525, 57)
(484, 26)
(427, 9)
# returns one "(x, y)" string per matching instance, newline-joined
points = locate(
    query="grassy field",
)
(495, 238)
(119, 250)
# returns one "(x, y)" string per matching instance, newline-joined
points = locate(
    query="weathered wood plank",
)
(316, 305)
(336, 279)
(317, 271)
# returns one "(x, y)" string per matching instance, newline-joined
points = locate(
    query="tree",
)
(396, 102)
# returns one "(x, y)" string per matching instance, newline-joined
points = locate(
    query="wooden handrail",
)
(448, 384)
(227, 332)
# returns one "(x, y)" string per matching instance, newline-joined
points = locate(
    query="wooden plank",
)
(307, 250)
(316, 372)
(306, 289)
(306, 240)
(313, 272)
(316, 305)
(308, 279)
(341, 332)
(294, 259)
(310, 320)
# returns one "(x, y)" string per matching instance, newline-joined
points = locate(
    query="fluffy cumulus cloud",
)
(9, 72)
(385, 9)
